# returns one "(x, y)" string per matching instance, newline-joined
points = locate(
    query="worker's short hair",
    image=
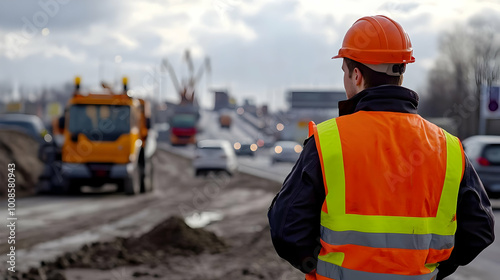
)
(372, 78)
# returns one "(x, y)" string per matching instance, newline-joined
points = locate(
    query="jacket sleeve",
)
(294, 215)
(475, 223)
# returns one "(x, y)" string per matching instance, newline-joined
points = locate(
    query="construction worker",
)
(379, 193)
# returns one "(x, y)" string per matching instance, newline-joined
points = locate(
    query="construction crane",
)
(186, 90)
(185, 116)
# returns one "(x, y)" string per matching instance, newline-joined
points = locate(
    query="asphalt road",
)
(240, 131)
(51, 225)
(487, 265)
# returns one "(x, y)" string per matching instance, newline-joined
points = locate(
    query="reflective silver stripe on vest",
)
(388, 240)
(336, 272)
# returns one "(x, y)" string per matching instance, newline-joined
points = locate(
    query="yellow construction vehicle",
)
(106, 140)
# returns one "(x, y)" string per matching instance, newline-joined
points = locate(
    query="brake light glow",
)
(483, 161)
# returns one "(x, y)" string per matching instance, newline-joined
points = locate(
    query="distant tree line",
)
(469, 57)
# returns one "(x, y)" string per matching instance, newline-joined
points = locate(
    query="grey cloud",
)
(282, 54)
(400, 7)
(72, 15)
(486, 19)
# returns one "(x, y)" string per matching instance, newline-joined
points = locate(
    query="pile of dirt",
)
(22, 150)
(174, 236)
(258, 260)
(170, 238)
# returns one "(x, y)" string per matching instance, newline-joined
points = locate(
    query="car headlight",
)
(237, 146)
(297, 149)
(48, 138)
(278, 149)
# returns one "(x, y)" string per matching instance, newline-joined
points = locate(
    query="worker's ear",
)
(358, 79)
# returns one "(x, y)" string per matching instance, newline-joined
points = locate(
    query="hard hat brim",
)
(375, 57)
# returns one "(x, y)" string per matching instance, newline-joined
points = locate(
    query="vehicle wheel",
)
(43, 186)
(49, 180)
(142, 176)
(67, 187)
(132, 184)
(147, 177)
(73, 190)
(203, 173)
(120, 187)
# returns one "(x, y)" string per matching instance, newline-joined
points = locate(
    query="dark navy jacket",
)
(294, 215)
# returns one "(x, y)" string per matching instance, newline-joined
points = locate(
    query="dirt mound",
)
(170, 238)
(20, 149)
(174, 236)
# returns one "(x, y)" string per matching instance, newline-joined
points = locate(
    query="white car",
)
(484, 153)
(285, 151)
(214, 155)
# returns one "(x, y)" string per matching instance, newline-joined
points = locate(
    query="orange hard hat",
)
(377, 40)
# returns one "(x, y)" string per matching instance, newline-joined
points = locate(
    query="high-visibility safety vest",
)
(391, 183)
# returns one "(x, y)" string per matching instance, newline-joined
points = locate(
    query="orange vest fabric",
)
(391, 183)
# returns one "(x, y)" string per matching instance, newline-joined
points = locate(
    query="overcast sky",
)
(257, 48)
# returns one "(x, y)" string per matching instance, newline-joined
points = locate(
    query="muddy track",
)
(241, 200)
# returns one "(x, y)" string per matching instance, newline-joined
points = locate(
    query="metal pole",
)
(482, 105)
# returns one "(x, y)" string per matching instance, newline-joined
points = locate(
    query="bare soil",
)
(236, 247)
(20, 149)
(171, 237)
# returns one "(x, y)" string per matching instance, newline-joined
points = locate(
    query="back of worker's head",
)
(373, 78)
(379, 48)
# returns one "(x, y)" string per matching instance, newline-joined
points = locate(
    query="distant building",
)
(221, 100)
(309, 105)
(249, 106)
(315, 99)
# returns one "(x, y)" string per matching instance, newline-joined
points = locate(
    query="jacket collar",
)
(388, 98)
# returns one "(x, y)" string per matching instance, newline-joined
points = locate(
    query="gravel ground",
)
(235, 245)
